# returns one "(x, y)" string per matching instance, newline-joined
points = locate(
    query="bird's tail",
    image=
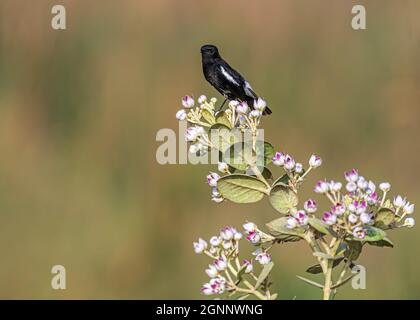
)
(267, 111)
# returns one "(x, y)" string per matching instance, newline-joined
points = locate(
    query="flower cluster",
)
(227, 272)
(361, 205)
(294, 169)
(359, 213)
(202, 117)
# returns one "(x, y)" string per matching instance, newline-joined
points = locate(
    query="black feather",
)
(229, 82)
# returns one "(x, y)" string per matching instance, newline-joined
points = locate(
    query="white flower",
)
(215, 241)
(371, 187)
(310, 206)
(352, 218)
(200, 245)
(192, 133)
(237, 236)
(329, 218)
(227, 233)
(212, 179)
(291, 223)
(315, 161)
(254, 114)
(223, 167)
(187, 102)
(220, 263)
(260, 104)
(263, 258)
(366, 218)
(218, 284)
(227, 244)
(217, 199)
(352, 175)
(278, 159)
(299, 168)
(289, 162)
(409, 222)
(362, 183)
(409, 208)
(321, 187)
(385, 186)
(181, 115)
(399, 201)
(242, 108)
(335, 186)
(250, 227)
(254, 237)
(211, 271)
(233, 103)
(359, 232)
(202, 99)
(207, 289)
(338, 209)
(194, 148)
(213, 100)
(249, 266)
(301, 217)
(351, 187)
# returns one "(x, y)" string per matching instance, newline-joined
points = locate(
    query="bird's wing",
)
(249, 91)
(229, 75)
(237, 79)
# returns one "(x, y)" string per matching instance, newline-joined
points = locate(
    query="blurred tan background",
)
(80, 108)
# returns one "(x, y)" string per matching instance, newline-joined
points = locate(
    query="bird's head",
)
(209, 51)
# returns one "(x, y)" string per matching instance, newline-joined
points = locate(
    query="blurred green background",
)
(80, 109)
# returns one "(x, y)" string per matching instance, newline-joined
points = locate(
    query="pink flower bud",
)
(278, 159)
(212, 179)
(315, 161)
(321, 187)
(289, 162)
(329, 218)
(352, 175)
(187, 102)
(310, 206)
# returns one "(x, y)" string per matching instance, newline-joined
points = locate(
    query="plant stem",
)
(257, 172)
(328, 280)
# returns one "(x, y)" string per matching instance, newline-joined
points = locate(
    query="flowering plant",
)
(360, 213)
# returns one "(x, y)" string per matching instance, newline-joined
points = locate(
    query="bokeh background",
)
(80, 109)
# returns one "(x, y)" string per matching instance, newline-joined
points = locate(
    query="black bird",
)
(225, 79)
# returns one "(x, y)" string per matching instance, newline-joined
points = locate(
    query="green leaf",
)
(341, 249)
(283, 199)
(384, 217)
(266, 173)
(316, 268)
(283, 180)
(240, 188)
(312, 283)
(374, 234)
(239, 155)
(208, 116)
(337, 285)
(240, 273)
(268, 153)
(385, 242)
(320, 226)
(222, 137)
(354, 249)
(264, 274)
(278, 228)
(222, 118)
